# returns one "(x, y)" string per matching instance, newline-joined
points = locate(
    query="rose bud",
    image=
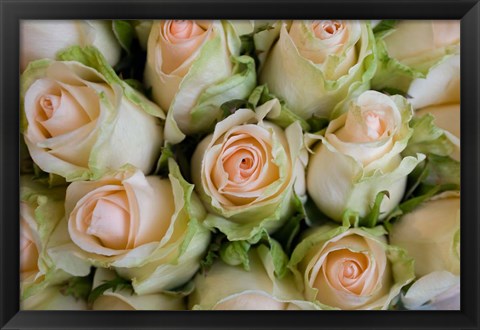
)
(193, 67)
(249, 172)
(342, 268)
(44, 39)
(360, 156)
(81, 121)
(314, 64)
(145, 227)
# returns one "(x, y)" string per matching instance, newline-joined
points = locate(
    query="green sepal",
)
(124, 32)
(78, 287)
(118, 283)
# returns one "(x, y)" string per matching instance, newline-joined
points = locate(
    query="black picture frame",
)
(12, 11)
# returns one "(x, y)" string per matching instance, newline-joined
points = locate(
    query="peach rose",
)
(193, 67)
(79, 123)
(314, 65)
(360, 156)
(136, 224)
(245, 172)
(350, 268)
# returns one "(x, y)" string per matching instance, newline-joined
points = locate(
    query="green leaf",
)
(371, 219)
(236, 253)
(136, 84)
(384, 27)
(162, 165)
(118, 283)
(231, 106)
(49, 179)
(212, 254)
(287, 234)
(350, 218)
(248, 43)
(317, 123)
(78, 287)
(395, 91)
(442, 170)
(124, 32)
(261, 95)
(313, 215)
(280, 259)
(428, 138)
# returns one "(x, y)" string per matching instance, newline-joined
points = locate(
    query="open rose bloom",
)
(240, 165)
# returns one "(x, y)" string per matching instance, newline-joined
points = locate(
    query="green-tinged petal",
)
(238, 86)
(308, 259)
(173, 263)
(41, 210)
(124, 299)
(398, 66)
(362, 170)
(230, 287)
(311, 89)
(153, 266)
(90, 57)
(109, 109)
(51, 298)
(428, 138)
(440, 86)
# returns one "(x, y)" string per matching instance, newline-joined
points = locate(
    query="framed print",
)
(211, 164)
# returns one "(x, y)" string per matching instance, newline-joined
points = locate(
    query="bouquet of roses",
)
(300, 165)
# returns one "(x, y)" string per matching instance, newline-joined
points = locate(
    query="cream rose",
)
(246, 172)
(41, 209)
(29, 245)
(146, 227)
(431, 235)
(257, 289)
(50, 298)
(441, 85)
(44, 39)
(429, 44)
(314, 64)
(423, 37)
(447, 117)
(352, 268)
(359, 156)
(191, 73)
(79, 123)
(126, 300)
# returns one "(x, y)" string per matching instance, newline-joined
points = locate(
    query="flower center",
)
(375, 125)
(241, 164)
(49, 103)
(351, 269)
(183, 29)
(326, 29)
(110, 221)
